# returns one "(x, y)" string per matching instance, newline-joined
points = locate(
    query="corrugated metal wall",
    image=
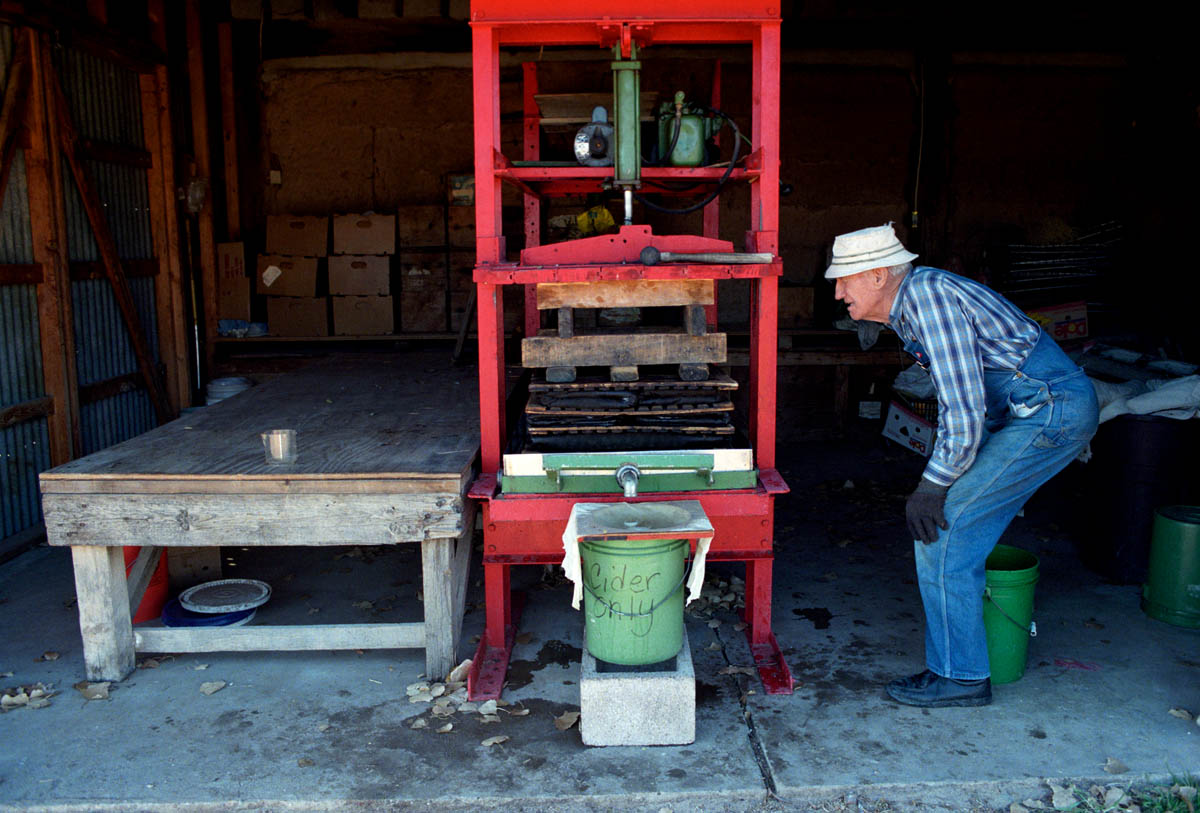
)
(105, 105)
(24, 447)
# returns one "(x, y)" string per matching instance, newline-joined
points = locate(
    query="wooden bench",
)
(387, 446)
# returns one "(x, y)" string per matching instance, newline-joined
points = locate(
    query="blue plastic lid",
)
(174, 615)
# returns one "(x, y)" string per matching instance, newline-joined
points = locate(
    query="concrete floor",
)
(326, 731)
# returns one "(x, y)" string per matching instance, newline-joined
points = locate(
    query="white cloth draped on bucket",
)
(572, 565)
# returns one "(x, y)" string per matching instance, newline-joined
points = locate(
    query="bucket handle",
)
(1031, 629)
(657, 604)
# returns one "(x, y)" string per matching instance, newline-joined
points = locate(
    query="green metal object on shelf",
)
(626, 119)
(694, 132)
(594, 473)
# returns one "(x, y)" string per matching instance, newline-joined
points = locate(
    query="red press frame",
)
(524, 529)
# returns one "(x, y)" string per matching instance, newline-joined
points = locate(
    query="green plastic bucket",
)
(1172, 589)
(1008, 610)
(633, 599)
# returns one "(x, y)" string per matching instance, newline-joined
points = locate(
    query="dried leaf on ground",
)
(1016, 808)
(437, 689)
(466, 707)
(421, 697)
(93, 691)
(714, 646)
(737, 670)
(739, 626)
(446, 729)
(491, 718)
(714, 624)
(566, 720)
(487, 707)
(211, 687)
(1182, 714)
(305, 762)
(10, 701)
(1114, 797)
(419, 723)
(1062, 798)
(323, 727)
(48, 655)
(200, 666)
(490, 741)
(459, 673)
(1114, 765)
(519, 712)
(419, 686)
(442, 711)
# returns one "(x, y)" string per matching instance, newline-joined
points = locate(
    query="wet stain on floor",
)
(520, 672)
(819, 616)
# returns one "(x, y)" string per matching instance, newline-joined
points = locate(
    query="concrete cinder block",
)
(638, 708)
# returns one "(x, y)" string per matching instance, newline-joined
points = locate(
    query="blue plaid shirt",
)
(957, 328)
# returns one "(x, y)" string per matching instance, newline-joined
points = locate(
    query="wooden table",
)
(387, 446)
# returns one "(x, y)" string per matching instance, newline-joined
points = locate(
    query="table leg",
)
(436, 575)
(104, 621)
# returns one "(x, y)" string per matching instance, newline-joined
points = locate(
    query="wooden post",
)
(173, 344)
(43, 174)
(208, 247)
(104, 621)
(12, 112)
(69, 141)
(233, 217)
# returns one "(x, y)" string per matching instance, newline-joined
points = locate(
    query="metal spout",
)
(628, 475)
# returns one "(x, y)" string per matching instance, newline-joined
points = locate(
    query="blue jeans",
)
(1038, 420)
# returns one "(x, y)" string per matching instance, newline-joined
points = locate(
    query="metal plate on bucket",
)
(225, 596)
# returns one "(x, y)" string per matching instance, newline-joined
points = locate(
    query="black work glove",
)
(925, 511)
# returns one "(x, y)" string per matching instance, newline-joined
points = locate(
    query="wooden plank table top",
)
(396, 422)
(387, 445)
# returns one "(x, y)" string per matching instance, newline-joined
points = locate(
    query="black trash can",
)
(1139, 463)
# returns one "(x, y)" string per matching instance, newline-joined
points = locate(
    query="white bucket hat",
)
(862, 250)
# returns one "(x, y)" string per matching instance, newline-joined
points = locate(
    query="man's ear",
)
(879, 277)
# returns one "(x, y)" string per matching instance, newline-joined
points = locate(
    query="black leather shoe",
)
(931, 690)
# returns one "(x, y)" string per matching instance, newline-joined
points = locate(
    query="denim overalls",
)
(1038, 419)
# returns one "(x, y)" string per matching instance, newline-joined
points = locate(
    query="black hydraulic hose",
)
(737, 143)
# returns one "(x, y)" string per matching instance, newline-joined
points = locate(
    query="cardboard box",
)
(233, 284)
(364, 234)
(297, 235)
(427, 226)
(423, 296)
(909, 429)
(359, 275)
(1069, 321)
(286, 276)
(297, 316)
(362, 315)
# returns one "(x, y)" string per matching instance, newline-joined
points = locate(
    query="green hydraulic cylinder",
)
(627, 155)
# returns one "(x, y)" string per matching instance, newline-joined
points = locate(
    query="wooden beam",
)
(72, 29)
(26, 410)
(624, 294)
(12, 111)
(87, 269)
(98, 9)
(21, 274)
(43, 175)
(279, 638)
(110, 387)
(622, 349)
(233, 216)
(94, 208)
(200, 146)
(173, 328)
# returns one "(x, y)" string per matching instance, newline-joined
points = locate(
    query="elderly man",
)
(1013, 411)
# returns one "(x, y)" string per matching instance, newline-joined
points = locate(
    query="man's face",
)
(866, 294)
